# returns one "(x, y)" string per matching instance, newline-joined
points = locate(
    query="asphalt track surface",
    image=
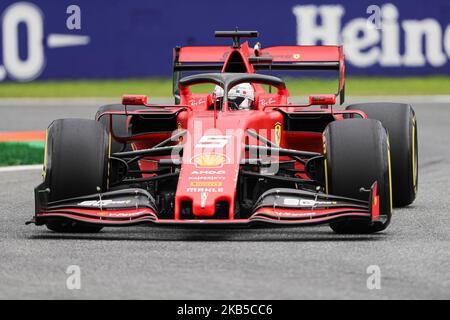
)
(413, 254)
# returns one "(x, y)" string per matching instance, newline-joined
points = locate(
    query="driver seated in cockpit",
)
(240, 97)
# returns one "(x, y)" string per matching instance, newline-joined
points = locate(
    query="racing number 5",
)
(213, 141)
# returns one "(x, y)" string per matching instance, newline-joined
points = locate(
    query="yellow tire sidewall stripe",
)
(44, 167)
(109, 162)
(390, 172)
(413, 161)
(325, 163)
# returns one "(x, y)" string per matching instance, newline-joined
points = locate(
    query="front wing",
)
(282, 207)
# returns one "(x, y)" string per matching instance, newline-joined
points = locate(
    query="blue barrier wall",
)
(48, 39)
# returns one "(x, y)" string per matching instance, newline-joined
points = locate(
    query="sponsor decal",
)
(103, 203)
(277, 133)
(112, 214)
(306, 202)
(206, 178)
(296, 56)
(204, 189)
(294, 214)
(264, 102)
(124, 214)
(206, 184)
(209, 172)
(194, 102)
(209, 160)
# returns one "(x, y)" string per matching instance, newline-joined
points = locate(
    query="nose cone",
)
(209, 173)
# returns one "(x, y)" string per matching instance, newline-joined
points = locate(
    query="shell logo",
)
(296, 56)
(209, 160)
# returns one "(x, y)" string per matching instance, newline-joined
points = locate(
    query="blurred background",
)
(66, 58)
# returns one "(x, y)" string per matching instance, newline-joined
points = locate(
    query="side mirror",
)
(134, 99)
(322, 99)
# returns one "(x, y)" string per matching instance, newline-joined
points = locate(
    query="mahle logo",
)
(375, 37)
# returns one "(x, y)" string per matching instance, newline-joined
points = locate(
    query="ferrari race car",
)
(205, 161)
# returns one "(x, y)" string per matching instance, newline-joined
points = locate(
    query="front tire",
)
(400, 121)
(77, 164)
(357, 155)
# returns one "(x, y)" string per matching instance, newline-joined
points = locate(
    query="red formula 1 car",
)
(209, 159)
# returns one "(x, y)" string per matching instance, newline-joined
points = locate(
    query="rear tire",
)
(357, 155)
(400, 121)
(76, 164)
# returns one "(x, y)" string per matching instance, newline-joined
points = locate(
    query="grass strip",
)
(355, 86)
(21, 153)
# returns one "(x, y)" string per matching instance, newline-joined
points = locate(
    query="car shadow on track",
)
(317, 234)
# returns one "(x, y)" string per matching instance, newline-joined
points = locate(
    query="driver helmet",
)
(241, 96)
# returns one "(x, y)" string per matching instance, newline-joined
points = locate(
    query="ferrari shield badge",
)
(277, 133)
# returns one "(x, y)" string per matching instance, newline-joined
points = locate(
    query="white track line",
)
(21, 168)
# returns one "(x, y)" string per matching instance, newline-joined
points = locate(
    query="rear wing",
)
(219, 58)
(304, 58)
